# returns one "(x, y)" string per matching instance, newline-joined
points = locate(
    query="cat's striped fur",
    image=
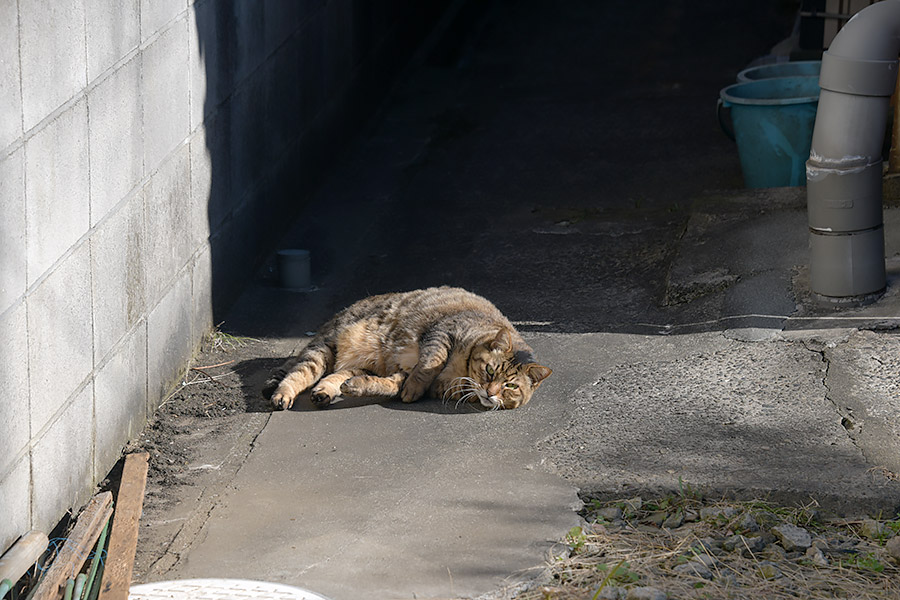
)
(445, 342)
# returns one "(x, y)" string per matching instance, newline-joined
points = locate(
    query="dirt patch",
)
(197, 439)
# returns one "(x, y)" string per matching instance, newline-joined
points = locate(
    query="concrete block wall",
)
(151, 152)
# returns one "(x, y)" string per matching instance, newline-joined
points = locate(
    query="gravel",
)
(677, 547)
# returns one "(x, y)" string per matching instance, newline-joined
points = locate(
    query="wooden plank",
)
(77, 548)
(124, 533)
(24, 553)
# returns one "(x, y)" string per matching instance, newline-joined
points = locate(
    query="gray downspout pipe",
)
(844, 172)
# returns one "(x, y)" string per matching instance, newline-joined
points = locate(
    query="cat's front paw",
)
(412, 391)
(355, 387)
(281, 401)
(320, 398)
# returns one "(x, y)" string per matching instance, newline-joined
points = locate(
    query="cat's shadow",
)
(255, 374)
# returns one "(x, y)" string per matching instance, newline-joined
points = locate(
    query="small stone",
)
(773, 552)
(610, 513)
(747, 546)
(714, 512)
(893, 548)
(728, 580)
(873, 530)
(768, 570)
(612, 592)
(816, 557)
(674, 521)
(691, 516)
(616, 525)
(645, 593)
(649, 529)
(707, 560)
(695, 568)
(747, 523)
(634, 504)
(656, 518)
(708, 545)
(766, 519)
(820, 543)
(792, 537)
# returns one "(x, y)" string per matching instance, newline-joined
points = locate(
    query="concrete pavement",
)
(574, 191)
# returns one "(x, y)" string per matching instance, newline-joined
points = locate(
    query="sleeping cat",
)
(444, 342)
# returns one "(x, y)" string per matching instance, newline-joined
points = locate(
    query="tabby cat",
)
(444, 342)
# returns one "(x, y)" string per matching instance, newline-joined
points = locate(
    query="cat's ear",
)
(502, 341)
(537, 373)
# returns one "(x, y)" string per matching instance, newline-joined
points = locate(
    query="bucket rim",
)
(743, 78)
(729, 98)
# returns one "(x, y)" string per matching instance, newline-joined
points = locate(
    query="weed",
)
(226, 342)
(619, 573)
(864, 562)
(576, 538)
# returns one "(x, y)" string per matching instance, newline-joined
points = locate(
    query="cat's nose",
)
(493, 389)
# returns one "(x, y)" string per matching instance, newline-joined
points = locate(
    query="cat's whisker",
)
(466, 397)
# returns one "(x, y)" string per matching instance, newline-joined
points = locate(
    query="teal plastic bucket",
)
(772, 122)
(800, 68)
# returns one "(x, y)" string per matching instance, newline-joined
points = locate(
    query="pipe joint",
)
(858, 76)
(843, 199)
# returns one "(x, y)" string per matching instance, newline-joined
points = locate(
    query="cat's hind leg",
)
(372, 385)
(330, 386)
(311, 364)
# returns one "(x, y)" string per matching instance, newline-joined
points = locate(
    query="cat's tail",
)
(297, 376)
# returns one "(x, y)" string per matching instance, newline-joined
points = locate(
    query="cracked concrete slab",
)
(751, 419)
(864, 385)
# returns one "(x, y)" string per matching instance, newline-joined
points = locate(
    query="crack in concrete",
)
(210, 498)
(848, 420)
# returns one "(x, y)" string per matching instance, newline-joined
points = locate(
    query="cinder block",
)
(15, 498)
(312, 68)
(165, 91)
(118, 276)
(168, 241)
(213, 49)
(250, 31)
(169, 339)
(56, 188)
(249, 146)
(14, 434)
(338, 55)
(59, 336)
(211, 171)
(155, 14)
(201, 184)
(61, 464)
(113, 30)
(198, 59)
(120, 400)
(115, 138)
(282, 19)
(12, 229)
(202, 296)
(10, 91)
(52, 53)
(283, 120)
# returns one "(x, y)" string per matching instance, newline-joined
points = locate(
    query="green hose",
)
(95, 562)
(79, 586)
(70, 587)
(5, 586)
